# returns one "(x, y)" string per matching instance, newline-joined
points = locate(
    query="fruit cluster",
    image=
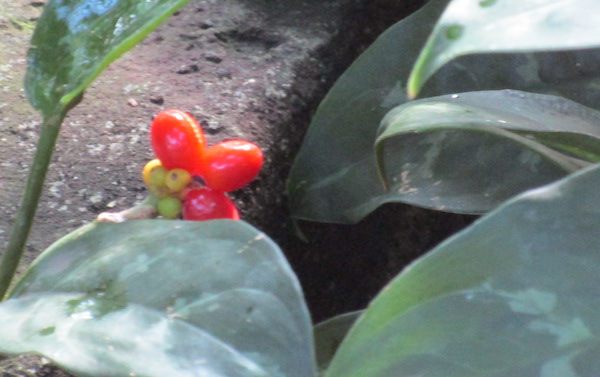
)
(190, 179)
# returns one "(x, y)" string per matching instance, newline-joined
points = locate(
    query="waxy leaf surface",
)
(469, 152)
(194, 297)
(484, 26)
(334, 177)
(515, 294)
(75, 40)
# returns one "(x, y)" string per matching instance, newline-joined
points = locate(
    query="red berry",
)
(229, 165)
(206, 204)
(177, 140)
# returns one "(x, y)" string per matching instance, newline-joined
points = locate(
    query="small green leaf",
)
(513, 295)
(471, 27)
(162, 298)
(76, 39)
(469, 152)
(329, 335)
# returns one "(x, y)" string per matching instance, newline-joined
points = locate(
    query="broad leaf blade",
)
(469, 152)
(131, 341)
(222, 277)
(513, 295)
(76, 39)
(483, 26)
(334, 177)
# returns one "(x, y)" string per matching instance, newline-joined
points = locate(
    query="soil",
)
(245, 69)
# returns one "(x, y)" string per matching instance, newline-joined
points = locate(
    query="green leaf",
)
(130, 342)
(76, 39)
(469, 152)
(162, 298)
(329, 335)
(484, 26)
(334, 178)
(513, 295)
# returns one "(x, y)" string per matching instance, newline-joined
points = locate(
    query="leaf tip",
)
(414, 83)
(412, 90)
(380, 165)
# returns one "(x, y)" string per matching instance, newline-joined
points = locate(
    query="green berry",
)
(158, 177)
(154, 174)
(169, 208)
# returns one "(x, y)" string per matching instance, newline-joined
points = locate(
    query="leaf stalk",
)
(29, 202)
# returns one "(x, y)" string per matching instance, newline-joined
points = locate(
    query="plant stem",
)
(29, 202)
(144, 210)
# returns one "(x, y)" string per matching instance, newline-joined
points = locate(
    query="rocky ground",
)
(245, 69)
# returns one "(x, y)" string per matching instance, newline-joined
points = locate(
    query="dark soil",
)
(245, 69)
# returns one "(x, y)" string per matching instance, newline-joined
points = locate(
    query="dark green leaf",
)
(513, 295)
(329, 335)
(76, 39)
(220, 288)
(470, 152)
(483, 26)
(334, 177)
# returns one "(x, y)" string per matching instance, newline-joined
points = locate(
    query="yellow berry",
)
(177, 179)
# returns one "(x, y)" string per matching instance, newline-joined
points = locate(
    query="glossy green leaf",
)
(469, 152)
(329, 335)
(133, 341)
(76, 39)
(515, 294)
(334, 177)
(200, 297)
(484, 26)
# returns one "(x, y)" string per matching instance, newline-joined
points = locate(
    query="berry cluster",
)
(190, 179)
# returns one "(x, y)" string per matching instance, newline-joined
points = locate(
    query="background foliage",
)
(334, 177)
